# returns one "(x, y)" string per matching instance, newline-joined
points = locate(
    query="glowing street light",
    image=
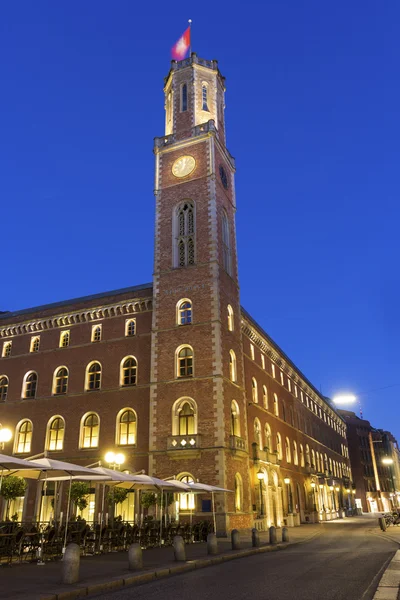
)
(115, 460)
(5, 436)
(260, 477)
(387, 461)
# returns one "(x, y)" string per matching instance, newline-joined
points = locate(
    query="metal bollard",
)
(285, 534)
(70, 564)
(235, 538)
(382, 523)
(255, 538)
(212, 544)
(272, 535)
(179, 548)
(135, 557)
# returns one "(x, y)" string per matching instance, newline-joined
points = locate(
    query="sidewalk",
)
(110, 571)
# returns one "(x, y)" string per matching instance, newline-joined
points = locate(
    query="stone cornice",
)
(126, 307)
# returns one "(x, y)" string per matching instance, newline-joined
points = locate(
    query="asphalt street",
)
(344, 562)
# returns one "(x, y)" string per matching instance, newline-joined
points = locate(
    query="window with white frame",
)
(232, 366)
(93, 376)
(238, 493)
(184, 312)
(235, 419)
(282, 380)
(265, 396)
(273, 370)
(184, 417)
(263, 361)
(130, 327)
(252, 352)
(30, 385)
(254, 390)
(23, 437)
(55, 434)
(184, 235)
(6, 349)
(296, 391)
(3, 388)
(64, 339)
(60, 381)
(126, 427)
(204, 96)
(276, 405)
(184, 361)
(35, 344)
(96, 333)
(289, 384)
(129, 369)
(231, 324)
(90, 428)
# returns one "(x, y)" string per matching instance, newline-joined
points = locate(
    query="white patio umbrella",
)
(204, 487)
(10, 463)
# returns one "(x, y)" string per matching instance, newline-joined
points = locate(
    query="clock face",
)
(183, 166)
(224, 177)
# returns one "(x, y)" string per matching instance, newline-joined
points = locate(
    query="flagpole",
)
(190, 30)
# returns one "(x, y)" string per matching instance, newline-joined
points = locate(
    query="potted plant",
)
(12, 488)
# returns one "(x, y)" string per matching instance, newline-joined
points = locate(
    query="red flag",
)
(180, 49)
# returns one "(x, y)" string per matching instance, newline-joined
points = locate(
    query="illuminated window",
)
(184, 235)
(3, 388)
(315, 460)
(226, 244)
(307, 402)
(60, 381)
(186, 420)
(238, 493)
(56, 431)
(235, 419)
(302, 396)
(186, 501)
(254, 390)
(265, 396)
(23, 437)
(282, 381)
(257, 433)
(184, 312)
(268, 435)
(90, 431)
(232, 366)
(231, 324)
(93, 376)
(287, 450)
(35, 344)
(127, 428)
(96, 333)
(184, 362)
(296, 391)
(169, 113)
(252, 351)
(184, 98)
(204, 96)
(276, 406)
(64, 339)
(6, 349)
(279, 446)
(263, 361)
(295, 454)
(289, 384)
(130, 327)
(273, 370)
(302, 463)
(129, 371)
(308, 459)
(30, 385)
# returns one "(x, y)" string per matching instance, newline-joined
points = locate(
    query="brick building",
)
(175, 373)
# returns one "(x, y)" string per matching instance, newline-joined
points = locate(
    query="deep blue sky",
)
(313, 100)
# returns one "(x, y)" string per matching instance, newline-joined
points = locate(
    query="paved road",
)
(345, 562)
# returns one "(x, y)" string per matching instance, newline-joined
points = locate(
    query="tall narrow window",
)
(126, 428)
(60, 383)
(56, 434)
(267, 433)
(279, 446)
(273, 370)
(265, 396)
(3, 388)
(204, 96)
(308, 459)
(238, 493)
(287, 450)
(232, 366)
(30, 385)
(184, 312)
(130, 327)
(226, 244)
(257, 433)
(35, 344)
(129, 371)
(186, 501)
(184, 98)
(235, 419)
(230, 318)
(96, 333)
(186, 420)
(23, 437)
(276, 406)
(184, 233)
(93, 376)
(295, 454)
(263, 361)
(252, 352)
(254, 390)
(6, 349)
(302, 463)
(185, 362)
(64, 339)
(90, 431)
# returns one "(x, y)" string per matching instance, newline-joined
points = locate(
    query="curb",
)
(389, 584)
(184, 567)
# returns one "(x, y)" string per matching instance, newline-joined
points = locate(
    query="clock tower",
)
(198, 427)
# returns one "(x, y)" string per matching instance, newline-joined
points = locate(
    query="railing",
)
(238, 443)
(183, 442)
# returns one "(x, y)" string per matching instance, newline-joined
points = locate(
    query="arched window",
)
(184, 417)
(318, 463)
(90, 427)
(3, 388)
(184, 312)
(35, 343)
(60, 381)
(93, 376)
(235, 419)
(23, 437)
(330, 467)
(129, 371)
(257, 433)
(254, 390)
(55, 435)
(302, 463)
(267, 433)
(184, 361)
(308, 460)
(64, 339)
(326, 463)
(279, 446)
(130, 327)
(96, 333)
(238, 493)
(287, 450)
(265, 396)
(295, 454)
(184, 235)
(204, 96)
(186, 501)
(232, 366)
(231, 324)
(126, 428)
(6, 349)
(226, 244)
(184, 97)
(276, 406)
(313, 459)
(283, 410)
(30, 385)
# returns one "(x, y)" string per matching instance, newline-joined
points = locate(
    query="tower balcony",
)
(238, 443)
(184, 442)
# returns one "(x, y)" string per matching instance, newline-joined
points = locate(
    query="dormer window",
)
(204, 96)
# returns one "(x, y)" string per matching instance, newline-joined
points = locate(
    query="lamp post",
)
(313, 495)
(321, 488)
(340, 503)
(5, 436)
(260, 477)
(290, 502)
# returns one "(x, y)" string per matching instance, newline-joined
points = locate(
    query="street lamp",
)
(5, 436)
(115, 460)
(289, 487)
(260, 477)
